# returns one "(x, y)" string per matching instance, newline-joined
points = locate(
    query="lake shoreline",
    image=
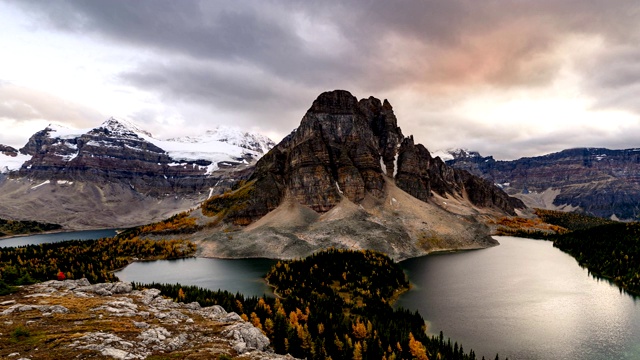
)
(62, 231)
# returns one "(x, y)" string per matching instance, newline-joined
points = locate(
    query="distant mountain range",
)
(596, 181)
(118, 174)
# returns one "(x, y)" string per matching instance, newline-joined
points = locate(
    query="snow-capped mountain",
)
(11, 159)
(250, 141)
(119, 160)
(455, 153)
(222, 146)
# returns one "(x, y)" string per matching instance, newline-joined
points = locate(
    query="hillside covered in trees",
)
(571, 221)
(609, 251)
(91, 259)
(607, 248)
(14, 227)
(334, 304)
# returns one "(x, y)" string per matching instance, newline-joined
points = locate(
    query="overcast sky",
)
(506, 78)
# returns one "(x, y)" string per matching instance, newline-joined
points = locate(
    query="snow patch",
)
(12, 163)
(233, 136)
(43, 183)
(63, 132)
(70, 157)
(444, 155)
(395, 165)
(211, 168)
(383, 166)
(101, 144)
(338, 186)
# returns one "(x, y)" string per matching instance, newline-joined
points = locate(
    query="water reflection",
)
(525, 300)
(57, 237)
(239, 275)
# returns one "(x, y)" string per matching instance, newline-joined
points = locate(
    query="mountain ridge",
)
(117, 175)
(598, 181)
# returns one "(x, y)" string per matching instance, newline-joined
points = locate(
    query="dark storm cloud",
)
(498, 42)
(292, 51)
(223, 89)
(235, 32)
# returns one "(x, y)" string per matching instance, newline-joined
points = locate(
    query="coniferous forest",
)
(91, 259)
(610, 251)
(607, 248)
(14, 227)
(334, 304)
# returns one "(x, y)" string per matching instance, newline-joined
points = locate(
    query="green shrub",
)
(20, 333)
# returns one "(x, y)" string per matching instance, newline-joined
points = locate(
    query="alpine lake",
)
(523, 299)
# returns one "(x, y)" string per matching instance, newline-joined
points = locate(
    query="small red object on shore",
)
(61, 276)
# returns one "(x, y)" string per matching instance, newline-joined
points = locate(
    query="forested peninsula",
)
(15, 227)
(608, 249)
(333, 304)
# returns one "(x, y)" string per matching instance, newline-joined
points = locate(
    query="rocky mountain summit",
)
(344, 148)
(348, 177)
(118, 170)
(75, 319)
(597, 181)
(8, 150)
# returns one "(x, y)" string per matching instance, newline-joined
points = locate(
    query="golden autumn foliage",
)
(92, 259)
(359, 330)
(175, 223)
(527, 227)
(418, 351)
(255, 320)
(230, 201)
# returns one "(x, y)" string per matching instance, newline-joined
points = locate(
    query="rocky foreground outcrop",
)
(597, 181)
(75, 319)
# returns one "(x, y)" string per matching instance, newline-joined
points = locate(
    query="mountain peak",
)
(347, 177)
(334, 102)
(230, 135)
(343, 149)
(122, 127)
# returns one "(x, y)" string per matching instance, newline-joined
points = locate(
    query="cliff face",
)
(348, 177)
(114, 152)
(598, 181)
(8, 150)
(343, 148)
